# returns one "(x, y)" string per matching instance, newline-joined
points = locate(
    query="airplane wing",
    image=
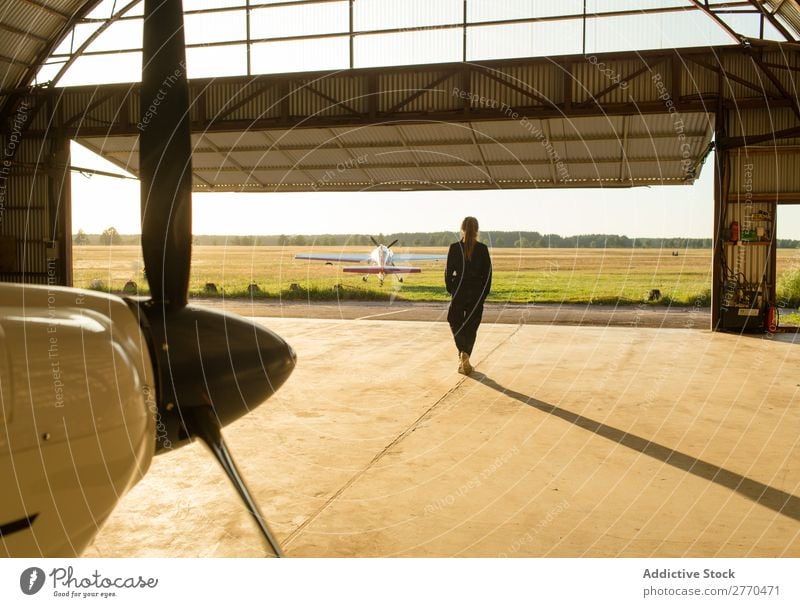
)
(379, 270)
(417, 257)
(341, 257)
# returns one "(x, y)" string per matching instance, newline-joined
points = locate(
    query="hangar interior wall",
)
(35, 210)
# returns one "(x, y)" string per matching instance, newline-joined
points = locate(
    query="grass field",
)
(520, 275)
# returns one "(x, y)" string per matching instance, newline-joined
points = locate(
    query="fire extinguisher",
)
(772, 319)
(735, 231)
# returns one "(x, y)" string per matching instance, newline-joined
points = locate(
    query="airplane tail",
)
(377, 244)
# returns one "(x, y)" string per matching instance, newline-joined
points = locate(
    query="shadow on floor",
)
(769, 497)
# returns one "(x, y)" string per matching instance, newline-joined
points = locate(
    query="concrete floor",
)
(567, 441)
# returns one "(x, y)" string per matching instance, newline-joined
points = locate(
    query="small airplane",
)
(93, 386)
(381, 261)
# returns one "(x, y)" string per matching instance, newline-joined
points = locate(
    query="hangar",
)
(579, 106)
(571, 112)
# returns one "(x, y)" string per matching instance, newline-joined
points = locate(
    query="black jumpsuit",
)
(468, 281)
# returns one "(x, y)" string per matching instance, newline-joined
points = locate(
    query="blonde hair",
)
(469, 230)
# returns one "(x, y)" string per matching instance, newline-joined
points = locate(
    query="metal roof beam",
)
(247, 171)
(644, 136)
(405, 145)
(628, 77)
(257, 91)
(515, 87)
(335, 102)
(47, 9)
(721, 22)
(758, 88)
(480, 153)
(699, 103)
(729, 143)
(27, 34)
(623, 160)
(777, 84)
(419, 92)
(13, 61)
(238, 167)
(272, 146)
(770, 16)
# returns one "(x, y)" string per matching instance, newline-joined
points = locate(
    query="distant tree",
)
(299, 240)
(110, 236)
(80, 238)
(522, 243)
(283, 240)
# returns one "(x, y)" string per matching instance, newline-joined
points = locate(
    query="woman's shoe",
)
(465, 368)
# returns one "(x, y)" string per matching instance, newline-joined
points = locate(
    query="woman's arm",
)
(488, 280)
(450, 268)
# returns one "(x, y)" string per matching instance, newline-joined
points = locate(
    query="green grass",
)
(789, 288)
(579, 276)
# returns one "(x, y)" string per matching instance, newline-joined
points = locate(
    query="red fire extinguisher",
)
(772, 319)
(735, 231)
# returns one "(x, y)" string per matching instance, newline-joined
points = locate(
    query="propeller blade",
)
(396, 240)
(165, 154)
(240, 363)
(375, 242)
(204, 425)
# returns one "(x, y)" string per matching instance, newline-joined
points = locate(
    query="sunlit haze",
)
(660, 211)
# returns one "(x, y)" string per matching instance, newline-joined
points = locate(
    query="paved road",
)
(568, 314)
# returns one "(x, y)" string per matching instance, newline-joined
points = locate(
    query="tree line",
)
(492, 238)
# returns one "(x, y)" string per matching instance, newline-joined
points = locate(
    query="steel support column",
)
(721, 173)
(60, 212)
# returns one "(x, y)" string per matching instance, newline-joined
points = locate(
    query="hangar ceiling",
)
(576, 123)
(577, 152)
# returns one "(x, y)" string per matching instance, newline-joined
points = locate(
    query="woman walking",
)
(468, 279)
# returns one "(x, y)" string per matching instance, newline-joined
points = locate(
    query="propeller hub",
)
(206, 358)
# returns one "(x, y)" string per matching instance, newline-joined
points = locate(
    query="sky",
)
(660, 211)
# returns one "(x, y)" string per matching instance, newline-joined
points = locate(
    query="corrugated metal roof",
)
(34, 28)
(788, 13)
(44, 23)
(608, 150)
(599, 151)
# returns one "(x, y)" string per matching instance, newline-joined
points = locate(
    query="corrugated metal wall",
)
(24, 216)
(34, 201)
